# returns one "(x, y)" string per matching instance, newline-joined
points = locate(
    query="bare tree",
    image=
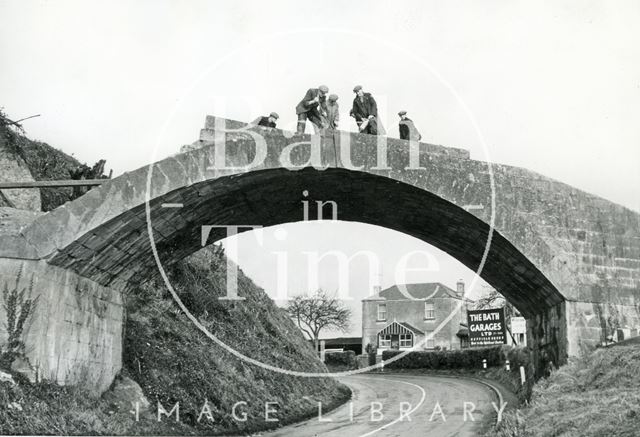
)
(317, 312)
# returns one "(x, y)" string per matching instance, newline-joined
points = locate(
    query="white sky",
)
(554, 86)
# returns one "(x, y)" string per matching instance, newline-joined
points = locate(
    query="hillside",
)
(595, 395)
(174, 362)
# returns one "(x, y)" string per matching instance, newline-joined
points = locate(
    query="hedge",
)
(459, 359)
(344, 358)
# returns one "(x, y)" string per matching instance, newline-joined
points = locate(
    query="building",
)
(343, 344)
(406, 317)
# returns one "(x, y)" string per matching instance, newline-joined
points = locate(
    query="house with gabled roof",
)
(416, 316)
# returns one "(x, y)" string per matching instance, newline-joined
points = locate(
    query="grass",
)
(595, 395)
(173, 362)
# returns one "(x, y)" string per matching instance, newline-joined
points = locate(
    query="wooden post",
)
(484, 363)
(522, 376)
(322, 351)
(507, 365)
(53, 184)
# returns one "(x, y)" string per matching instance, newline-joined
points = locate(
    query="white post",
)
(484, 363)
(381, 365)
(322, 353)
(507, 365)
(522, 377)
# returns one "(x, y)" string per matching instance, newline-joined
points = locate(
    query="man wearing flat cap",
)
(333, 112)
(267, 121)
(408, 130)
(313, 107)
(365, 111)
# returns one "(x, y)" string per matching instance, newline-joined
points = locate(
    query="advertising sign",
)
(518, 325)
(486, 327)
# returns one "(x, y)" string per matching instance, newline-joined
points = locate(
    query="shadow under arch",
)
(274, 196)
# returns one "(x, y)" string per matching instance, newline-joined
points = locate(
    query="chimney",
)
(460, 289)
(376, 289)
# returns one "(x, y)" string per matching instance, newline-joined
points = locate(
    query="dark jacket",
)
(408, 130)
(311, 94)
(363, 109)
(264, 121)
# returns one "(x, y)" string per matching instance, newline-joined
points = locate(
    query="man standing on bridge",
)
(408, 130)
(313, 106)
(365, 111)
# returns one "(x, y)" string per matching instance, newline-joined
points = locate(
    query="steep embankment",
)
(44, 162)
(173, 361)
(595, 395)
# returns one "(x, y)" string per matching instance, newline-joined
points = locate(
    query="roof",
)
(399, 328)
(342, 340)
(463, 332)
(415, 292)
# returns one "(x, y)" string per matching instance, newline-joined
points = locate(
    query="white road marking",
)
(402, 416)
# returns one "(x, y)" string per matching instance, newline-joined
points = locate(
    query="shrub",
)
(18, 306)
(459, 359)
(344, 358)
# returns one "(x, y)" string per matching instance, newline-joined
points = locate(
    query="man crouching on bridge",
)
(267, 121)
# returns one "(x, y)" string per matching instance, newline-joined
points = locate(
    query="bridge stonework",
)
(568, 260)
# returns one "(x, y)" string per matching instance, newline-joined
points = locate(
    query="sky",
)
(550, 86)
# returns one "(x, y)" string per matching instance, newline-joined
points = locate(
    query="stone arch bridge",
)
(568, 260)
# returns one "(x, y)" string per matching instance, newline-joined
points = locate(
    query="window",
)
(385, 340)
(406, 340)
(429, 311)
(430, 343)
(382, 311)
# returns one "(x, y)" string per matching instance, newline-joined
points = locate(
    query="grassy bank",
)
(595, 395)
(174, 362)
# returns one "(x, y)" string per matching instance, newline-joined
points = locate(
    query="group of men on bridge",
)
(323, 111)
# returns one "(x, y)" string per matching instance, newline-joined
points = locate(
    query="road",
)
(422, 397)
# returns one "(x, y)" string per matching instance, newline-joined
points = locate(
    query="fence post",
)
(381, 364)
(322, 352)
(507, 365)
(484, 363)
(522, 376)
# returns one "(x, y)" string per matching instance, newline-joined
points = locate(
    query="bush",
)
(460, 359)
(344, 358)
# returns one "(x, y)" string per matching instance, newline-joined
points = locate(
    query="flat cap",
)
(403, 112)
(333, 97)
(324, 88)
(357, 88)
(274, 115)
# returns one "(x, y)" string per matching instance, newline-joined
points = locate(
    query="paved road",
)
(422, 395)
